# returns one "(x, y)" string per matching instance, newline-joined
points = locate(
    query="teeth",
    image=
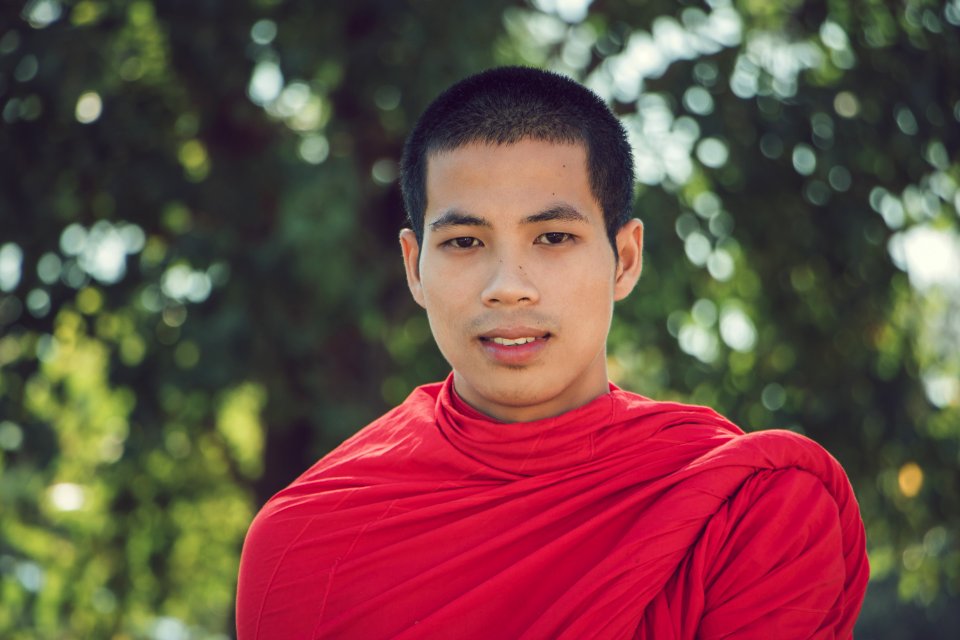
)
(509, 343)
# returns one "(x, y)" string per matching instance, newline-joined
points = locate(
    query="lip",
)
(514, 355)
(512, 333)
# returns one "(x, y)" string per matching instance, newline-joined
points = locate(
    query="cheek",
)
(449, 284)
(588, 302)
(588, 282)
(444, 298)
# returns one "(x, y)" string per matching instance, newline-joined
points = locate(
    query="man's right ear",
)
(411, 262)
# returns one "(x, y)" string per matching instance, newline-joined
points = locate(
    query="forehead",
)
(510, 179)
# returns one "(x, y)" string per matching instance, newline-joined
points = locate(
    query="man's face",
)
(518, 276)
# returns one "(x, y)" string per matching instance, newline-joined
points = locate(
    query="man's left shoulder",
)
(783, 449)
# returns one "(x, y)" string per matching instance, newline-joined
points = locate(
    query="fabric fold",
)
(619, 519)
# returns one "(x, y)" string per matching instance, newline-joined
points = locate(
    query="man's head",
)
(509, 104)
(512, 257)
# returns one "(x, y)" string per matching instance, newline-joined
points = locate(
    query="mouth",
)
(514, 336)
(515, 346)
(513, 342)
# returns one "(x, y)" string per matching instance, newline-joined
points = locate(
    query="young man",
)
(526, 496)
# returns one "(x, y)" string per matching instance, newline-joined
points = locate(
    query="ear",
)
(630, 264)
(411, 262)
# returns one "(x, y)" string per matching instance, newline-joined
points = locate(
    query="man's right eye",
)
(465, 242)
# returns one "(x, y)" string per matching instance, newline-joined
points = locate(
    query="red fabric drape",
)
(625, 518)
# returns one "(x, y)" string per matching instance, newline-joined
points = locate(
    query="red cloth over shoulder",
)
(623, 518)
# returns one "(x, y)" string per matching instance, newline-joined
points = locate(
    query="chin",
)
(515, 393)
(512, 397)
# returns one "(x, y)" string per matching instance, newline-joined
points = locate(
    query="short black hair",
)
(509, 104)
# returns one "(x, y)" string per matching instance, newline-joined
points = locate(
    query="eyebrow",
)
(458, 218)
(561, 211)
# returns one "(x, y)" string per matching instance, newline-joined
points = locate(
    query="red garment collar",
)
(576, 437)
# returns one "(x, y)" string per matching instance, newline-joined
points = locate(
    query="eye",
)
(553, 237)
(464, 242)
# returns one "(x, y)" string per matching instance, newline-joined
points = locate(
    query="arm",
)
(774, 564)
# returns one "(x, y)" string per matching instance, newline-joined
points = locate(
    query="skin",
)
(515, 245)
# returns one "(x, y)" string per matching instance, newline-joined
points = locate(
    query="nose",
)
(510, 284)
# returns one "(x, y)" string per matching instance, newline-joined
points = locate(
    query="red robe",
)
(624, 518)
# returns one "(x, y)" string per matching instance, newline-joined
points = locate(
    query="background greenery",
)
(201, 290)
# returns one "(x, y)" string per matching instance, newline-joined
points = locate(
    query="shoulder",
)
(376, 454)
(756, 456)
(723, 447)
(772, 517)
(401, 426)
(665, 415)
(681, 433)
(778, 449)
(783, 558)
(790, 536)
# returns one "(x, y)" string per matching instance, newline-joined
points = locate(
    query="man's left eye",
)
(554, 237)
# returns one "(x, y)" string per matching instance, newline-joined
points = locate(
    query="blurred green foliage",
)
(201, 292)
